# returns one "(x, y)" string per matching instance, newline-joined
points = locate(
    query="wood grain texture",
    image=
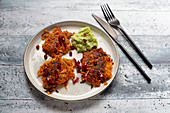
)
(13, 47)
(147, 23)
(87, 106)
(128, 83)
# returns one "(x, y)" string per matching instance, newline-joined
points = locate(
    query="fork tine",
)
(104, 12)
(107, 12)
(110, 11)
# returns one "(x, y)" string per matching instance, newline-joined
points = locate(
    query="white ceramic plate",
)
(33, 59)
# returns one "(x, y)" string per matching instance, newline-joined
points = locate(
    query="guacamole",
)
(84, 40)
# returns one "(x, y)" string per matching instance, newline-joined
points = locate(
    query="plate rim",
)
(77, 98)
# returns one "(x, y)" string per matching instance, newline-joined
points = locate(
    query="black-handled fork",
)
(114, 22)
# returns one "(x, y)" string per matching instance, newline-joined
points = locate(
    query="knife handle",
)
(135, 47)
(134, 62)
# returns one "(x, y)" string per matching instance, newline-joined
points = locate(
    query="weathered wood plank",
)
(128, 84)
(146, 21)
(84, 5)
(12, 49)
(86, 106)
(134, 22)
(28, 19)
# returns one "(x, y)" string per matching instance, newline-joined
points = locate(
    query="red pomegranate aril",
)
(94, 47)
(78, 63)
(59, 65)
(78, 70)
(49, 79)
(84, 67)
(55, 72)
(61, 36)
(95, 62)
(65, 45)
(56, 76)
(70, 53)
(45, 56)
(80, 67)
(77, 79)
(63, 39)
(46, 72)
(84, 40)
(85, 34)
(72, 47)
(99, 73)
(37, 47)
(60, 41)
(74, 81)
(57, 44)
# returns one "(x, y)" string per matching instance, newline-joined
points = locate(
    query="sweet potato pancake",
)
(56, 71)
(96, 67)
(57, 42)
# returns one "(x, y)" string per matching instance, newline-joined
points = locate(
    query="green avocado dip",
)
(84, 40)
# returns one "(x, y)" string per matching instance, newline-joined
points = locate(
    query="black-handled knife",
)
(109, 30)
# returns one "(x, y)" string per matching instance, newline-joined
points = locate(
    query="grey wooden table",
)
(146, 21)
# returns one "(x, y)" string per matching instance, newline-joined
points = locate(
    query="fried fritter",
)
(57, 42)
(56, 71)
(96, 66)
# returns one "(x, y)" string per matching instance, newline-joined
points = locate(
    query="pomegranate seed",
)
(78, 70)
(85, 34)
(78, 63)
(84, 67)
(60, 41)
(55, 72)
(80, 67)
(81, 60)
(45, 56)
(46, 72)
(72, 47)
(65, 45)
(59, 65)
(95, 62)
(99, 73)
(74, 81)
(56, 77)
(61, 36)
(63, 39)
(94, 47)
(37, 47)
(70, 53)
(49, 79)
(57, 44)
(85, 64)
(77, 79)
(84, 40)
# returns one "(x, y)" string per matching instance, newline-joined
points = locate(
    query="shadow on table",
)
(45, 102)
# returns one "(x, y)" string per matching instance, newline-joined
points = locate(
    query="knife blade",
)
(105, 26)
(109, 30)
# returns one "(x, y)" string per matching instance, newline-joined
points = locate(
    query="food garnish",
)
(37, 47)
